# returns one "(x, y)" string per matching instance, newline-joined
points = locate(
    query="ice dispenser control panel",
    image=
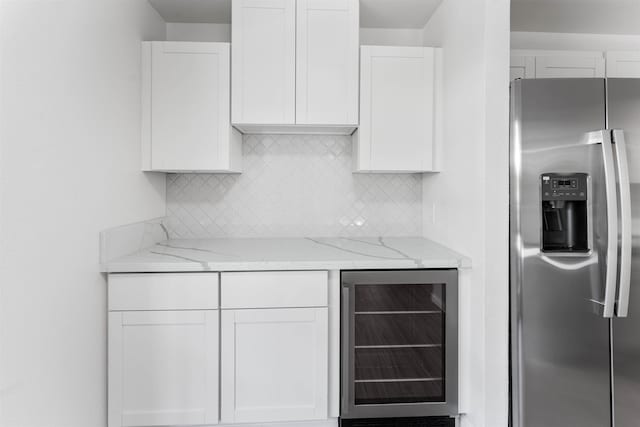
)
(564, 187)
(564, 213)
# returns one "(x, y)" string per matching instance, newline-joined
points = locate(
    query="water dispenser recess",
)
(564, 212)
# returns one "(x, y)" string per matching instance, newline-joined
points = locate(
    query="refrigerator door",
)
(623, 111)
(560, 339)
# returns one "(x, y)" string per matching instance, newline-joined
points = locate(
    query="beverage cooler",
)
(399, 344)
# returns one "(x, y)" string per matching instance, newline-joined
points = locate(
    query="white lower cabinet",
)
(170, 354)
(274, 364)
(163, 368)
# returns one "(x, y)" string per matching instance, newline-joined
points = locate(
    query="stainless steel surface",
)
(623, 110)
(560, 351)
(611, 201)
(624, 186)
(350, 281)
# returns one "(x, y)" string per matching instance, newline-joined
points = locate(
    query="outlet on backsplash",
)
(293, 186)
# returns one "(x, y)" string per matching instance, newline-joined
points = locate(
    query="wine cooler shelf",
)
(407, 329)
(398, 364)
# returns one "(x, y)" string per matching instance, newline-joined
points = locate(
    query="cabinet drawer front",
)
(163, 291)
(274, 289)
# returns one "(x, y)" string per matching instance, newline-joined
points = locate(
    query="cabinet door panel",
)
(569, 66)
(522, 67)
(327, 62)
(189, 104)
(623, 64)
(396, 109)
(274, 365)
(263, 61)
(163, 368)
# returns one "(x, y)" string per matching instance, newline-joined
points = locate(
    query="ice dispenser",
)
(564, 212)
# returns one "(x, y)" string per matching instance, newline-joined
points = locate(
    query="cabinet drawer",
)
(163, 291)
(274, 289)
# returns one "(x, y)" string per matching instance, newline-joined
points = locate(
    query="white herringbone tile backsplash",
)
(294, 186)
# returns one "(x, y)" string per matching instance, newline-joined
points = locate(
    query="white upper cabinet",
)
(399, 105)
(185, 108)
(327, 62)
(526, 64)
(295, 66)
(569, 66)
(263, 35)
(522, 67)
(623, 64)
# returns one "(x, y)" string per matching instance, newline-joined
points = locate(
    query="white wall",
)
(70, 162)
(198, 32)
(466, 205)
(391, 36)
(574, 41)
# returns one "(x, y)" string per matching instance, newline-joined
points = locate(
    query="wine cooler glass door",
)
(399, 343)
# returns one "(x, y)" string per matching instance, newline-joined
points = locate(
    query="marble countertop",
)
(340, 253)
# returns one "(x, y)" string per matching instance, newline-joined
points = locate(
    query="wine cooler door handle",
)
(603, 138)
(624, 188)
(345, 353)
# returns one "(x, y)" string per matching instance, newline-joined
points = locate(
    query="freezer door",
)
(560, 339)
(623, 110)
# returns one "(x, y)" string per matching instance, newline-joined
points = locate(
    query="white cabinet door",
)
(569, 66)
(522, 67)
(327, 62)
(263, 34)
(186, 112)
(274, 365)
(623, 64)
(163, 368)
(397, 98)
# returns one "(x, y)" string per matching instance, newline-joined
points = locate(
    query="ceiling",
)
(373, 13)
(576, 16)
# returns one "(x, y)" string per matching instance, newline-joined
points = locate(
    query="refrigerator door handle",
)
(603, 137)
(624, 287)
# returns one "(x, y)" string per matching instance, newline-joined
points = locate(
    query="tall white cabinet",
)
(185, 108)
(400, 92)
(295, 65)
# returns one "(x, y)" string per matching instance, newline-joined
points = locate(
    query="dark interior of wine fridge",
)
(399, 343)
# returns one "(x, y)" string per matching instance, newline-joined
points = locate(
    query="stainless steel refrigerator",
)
(575, 255)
